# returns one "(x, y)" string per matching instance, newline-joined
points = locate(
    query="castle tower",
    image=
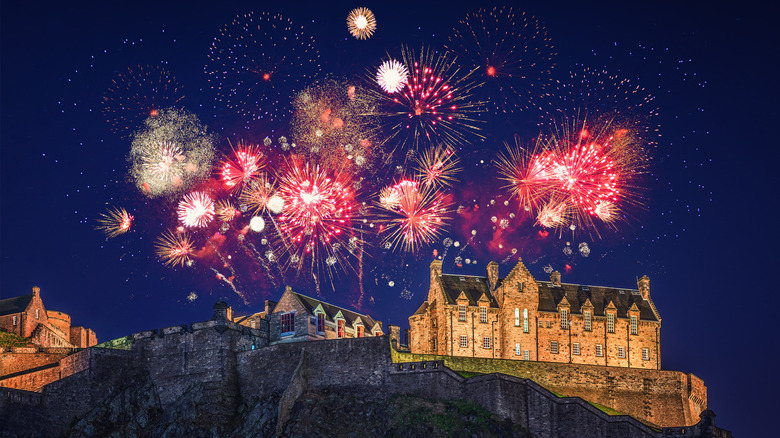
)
(492, 274)
(555, 278)
(643, 284)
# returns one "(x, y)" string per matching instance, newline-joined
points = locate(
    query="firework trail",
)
(437, 166)
(252, 251)
(230, 283)
(114, 222)
(361, 23)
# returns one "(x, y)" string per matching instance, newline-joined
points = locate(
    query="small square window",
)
(554, 347)
(486, 342)
(464, 341)
(622, 352)
(645, 354)
(599, 350)
(575, 348)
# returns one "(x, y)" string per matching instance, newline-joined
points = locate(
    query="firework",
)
(361, 23)
(114, 222)
(434, 106)
(392, 76)
(528, 173)
(510, 51)
(225, 211)
(552, 215)
(437, 166)
(196, 210)
(414, 214)
(257, 61)
(138, 93)
(258, 193)
(171, 153)
(174, 248)
(243, 166)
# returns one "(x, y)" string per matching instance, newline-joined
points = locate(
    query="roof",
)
(550, 296)
(472, 287)
(15, 305)
(331, 311)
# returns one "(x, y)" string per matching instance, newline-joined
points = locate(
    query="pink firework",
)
(196, 210)
(530, 177)
(318, 209)
(245, 165)
(415, 214)
(588, 175)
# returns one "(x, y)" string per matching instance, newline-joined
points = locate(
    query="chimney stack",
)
(36, 291)
(643, 284)
(555, 278)
(435, 270)
(220, 311)
(492, 274)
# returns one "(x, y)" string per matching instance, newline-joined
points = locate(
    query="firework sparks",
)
(361, 23)
(245, 165)
(528, 174)
(114, 222)
(437, 166)
(258, 193)
(392, 76)
(415, 214)
(174, 248)
(553, 215)
(225, 211)
(196, 210)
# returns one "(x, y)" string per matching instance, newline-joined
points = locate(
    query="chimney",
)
(220, 311)
(555, 278)
(395, 336)
(269, 307)
(435, 270)
(643, 284)
(492, 274)
(36, 291)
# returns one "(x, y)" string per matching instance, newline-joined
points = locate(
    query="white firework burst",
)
(392, 76)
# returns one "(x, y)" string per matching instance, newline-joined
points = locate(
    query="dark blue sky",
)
(707, 238)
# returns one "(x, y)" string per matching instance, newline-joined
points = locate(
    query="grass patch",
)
(10, 340)
(468, 374)
(123, 343)
(606, 409)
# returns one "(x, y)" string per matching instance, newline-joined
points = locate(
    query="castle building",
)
(297, 317)
(519, 317)
(27, 317)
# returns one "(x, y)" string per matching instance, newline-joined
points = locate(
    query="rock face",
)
(218, 379)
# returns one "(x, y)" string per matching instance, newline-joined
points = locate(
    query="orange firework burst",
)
(361, 23)
(415, 214)
(114, 222)
(196, 210)
(174, 248)
(437, 166)
(257, 194)
(553, 215)
(225, 211)
(245, 164)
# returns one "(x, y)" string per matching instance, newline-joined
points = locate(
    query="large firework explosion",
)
(511, 53)
(413, 214)
(257, 61)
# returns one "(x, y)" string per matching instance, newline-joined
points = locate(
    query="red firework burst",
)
(196, 210)
(415, 214)
(245, 165)
(588, 176)
(530, 176)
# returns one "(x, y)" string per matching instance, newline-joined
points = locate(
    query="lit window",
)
(622, 352)
(433, 344)
(633, 324)
(645, 354)
(360, 331)
(464, 341)
(482, 314)
(575, 348)
(341, 328)
(554, 347)
(36, 313)
(599, 350)
(517, 349)
(486, 342)
(320, 323)
(564, 319)
(526, 355)
(611, 323)
(586, 317)
(288, 323)
(541, 323)
(525, 320)
(461, 313)
(548, 324)
(517, 317)
(14, 319)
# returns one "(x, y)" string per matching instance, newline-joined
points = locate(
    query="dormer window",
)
(360, 331)
(586, 319)
(287, 324)
(320, 323)
(340, 325)
(482, 314)
(633, 325)
(611, 323)
(564, 319)
(461, 313)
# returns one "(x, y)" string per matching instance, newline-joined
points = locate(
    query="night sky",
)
(704, 233)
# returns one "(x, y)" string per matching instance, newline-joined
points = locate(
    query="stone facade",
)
(518, 317)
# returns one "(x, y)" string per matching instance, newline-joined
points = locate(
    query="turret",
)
(643, 284)
(555, 278)
(220, 311)
(492, 274)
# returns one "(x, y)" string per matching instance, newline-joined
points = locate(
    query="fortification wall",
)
(657, 396)
(25, 358)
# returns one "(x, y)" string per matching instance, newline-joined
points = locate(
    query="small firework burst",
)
(528, 174)
(552, 215)
(244, 165)
(174, 248)
(225, 211)
(258, 193)
(361, 23)
(392, 76)
(196, 210)
(437, 166)
(415, 216)
(114, 222)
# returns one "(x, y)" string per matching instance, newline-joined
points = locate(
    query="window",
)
(575, 348)
(526, 355)
(548, 324)
(554, 347)
(611, 323)
(360, 331)
(433, 344)
(486, 342)
(14, 319)
(341, 328)
(564, 319)
(586, 318)
(645, 354)
(36, 313)
(633, 325)
(541, 323)
(622, 352)
(434, 324)
(288, 323)
(320, 323)
(464, 341)
(517, 349)
(525, 320)
(517, 317)
(599, 350)
(461, 313)
(482, 314)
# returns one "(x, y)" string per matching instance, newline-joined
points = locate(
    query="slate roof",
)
(576, 295)
(310, 304)
(15, 304)
(473, 287)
